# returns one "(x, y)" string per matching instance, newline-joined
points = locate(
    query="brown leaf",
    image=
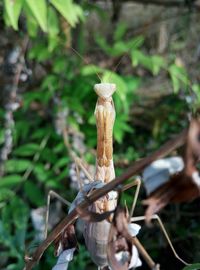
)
(119, 240)
(183, 186)
(66, 240)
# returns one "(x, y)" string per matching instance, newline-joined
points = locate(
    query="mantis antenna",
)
(120, 60)
(85, 61)
(189, 84)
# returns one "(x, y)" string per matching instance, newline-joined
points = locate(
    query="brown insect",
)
(96, 205)
(96, 233)
(98, 220)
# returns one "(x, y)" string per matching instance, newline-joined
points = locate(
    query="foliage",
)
(41, 13)
(13, 229)
(195, 266)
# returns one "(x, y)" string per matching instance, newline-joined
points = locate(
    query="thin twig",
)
(143, 253)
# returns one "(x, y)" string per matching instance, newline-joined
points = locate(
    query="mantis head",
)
(105, 90)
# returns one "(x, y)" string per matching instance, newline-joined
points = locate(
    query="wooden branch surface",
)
(170, 3)
(135, 168)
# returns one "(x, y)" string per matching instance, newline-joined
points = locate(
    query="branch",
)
(11, 105)
(137, 167)
(177, 3)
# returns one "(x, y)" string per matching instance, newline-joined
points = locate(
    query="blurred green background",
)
(151, 50)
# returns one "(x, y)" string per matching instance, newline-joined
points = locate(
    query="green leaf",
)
(53, 29)
(196, 90)
(178, 76)
(62, 175)
(13, 9)
(34, 193)
(152, 63)
(14, 266)
(91, 69)
(137, 58)
(16, 165)
(157, 63)
(20, 212)
(31, 96)
(6, 194)
(59, 148)
(39, 52)
(59, 66)
(121, 127)
(48, 156)
(195, 266)
(39, 10)
(102, 43)
(39, 133)
(2, 138)
(120, 31)
(14, 217)
(5, 226)
(10, 180)
(32, 25)
(49, 81)
(135, 43)
(119, 48)
(53, 23)
(53, 42)
(70, 11)
(62, 162)
(28, 149)
(40, 172)
(133, 83)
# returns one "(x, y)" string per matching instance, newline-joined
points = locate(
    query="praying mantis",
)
(96, 234)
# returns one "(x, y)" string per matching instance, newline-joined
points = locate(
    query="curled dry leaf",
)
(66, 240)
(183, 186)
(65, 245)
(63, 261)
(122, 255)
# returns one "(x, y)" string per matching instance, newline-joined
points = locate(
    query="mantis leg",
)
(157, 218)
(137, 183)
(100, 134)
(79, 164)
(135, 240)
(61, 199)
(152, 265)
